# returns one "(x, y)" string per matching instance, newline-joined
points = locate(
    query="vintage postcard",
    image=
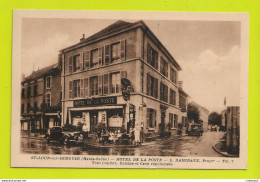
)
(115, 89)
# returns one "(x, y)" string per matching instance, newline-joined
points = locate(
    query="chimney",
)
(180, 84)
(83, 37)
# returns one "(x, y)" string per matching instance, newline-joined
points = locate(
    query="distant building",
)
(204, 114)
(92, 71)
(40, 99)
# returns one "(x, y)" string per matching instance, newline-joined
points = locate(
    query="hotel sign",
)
(95, 101)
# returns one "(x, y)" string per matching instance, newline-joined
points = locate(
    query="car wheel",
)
(66, 140)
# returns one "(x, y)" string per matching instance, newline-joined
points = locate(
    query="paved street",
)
(192, 146)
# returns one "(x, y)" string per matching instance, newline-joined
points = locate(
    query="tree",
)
(193, 113)
(215, 118)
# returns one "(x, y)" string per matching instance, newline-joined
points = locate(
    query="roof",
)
(113, 27)
(121, 26)
(197, 105)
(41, 72)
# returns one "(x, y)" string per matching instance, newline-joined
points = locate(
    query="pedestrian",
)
(85, 131)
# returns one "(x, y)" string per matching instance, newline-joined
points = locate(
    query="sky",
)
(207, 51)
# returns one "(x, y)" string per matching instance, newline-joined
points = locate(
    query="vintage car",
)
(57, 133)
(195, 129)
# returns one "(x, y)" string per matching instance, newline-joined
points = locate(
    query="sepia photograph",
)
(97, 89)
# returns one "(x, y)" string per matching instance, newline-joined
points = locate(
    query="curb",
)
(222, 153)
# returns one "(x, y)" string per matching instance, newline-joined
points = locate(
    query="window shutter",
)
(100, 88)
(148, 84)
(175, 76)
(86, 87)
(107, 54)
(109, 84)
(105, 83)
(81, 57)
(166, 69)
(149, 55)
(161, 65)
(166, 93)
(90, 87)
(50, 81)
(156, 88)
(70, 89)
(70, 64)
(161, 91)
(87, 59)
(100, 55)
(155, 57)
(155, 117)
(123, 49)
(81, 87)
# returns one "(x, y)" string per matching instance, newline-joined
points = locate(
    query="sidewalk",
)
(30, 135)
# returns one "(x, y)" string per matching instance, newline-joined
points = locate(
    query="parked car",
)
(195, 129)
(214, 128)
(57, 133)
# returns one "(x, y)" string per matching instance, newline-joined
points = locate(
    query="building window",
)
(172, 97)
(152, 56)
(182, 102)
(48, 99)
(35, 90)
(152, 86)
(94, 58)
(115, 82)
(163, 92)
(151, 118)
(115, 51)
(173, 75)
(22, 109)
(94, 85)
(29, 91)
(171, 120)
(35, 107)
(76, 88)
(28, 107)
(48, 82)
(164, 67)
(76, 63)
(175, 121)
(23, 93)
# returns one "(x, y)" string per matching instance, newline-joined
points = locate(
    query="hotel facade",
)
(91, 76)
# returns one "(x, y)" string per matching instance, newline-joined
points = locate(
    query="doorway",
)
(93, 120)
(162, 125)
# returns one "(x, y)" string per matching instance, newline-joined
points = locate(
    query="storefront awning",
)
(95, 108)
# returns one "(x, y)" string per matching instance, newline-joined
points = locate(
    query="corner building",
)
(91, 81)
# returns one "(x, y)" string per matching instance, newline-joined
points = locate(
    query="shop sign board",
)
(95, 101)
(115, 121)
